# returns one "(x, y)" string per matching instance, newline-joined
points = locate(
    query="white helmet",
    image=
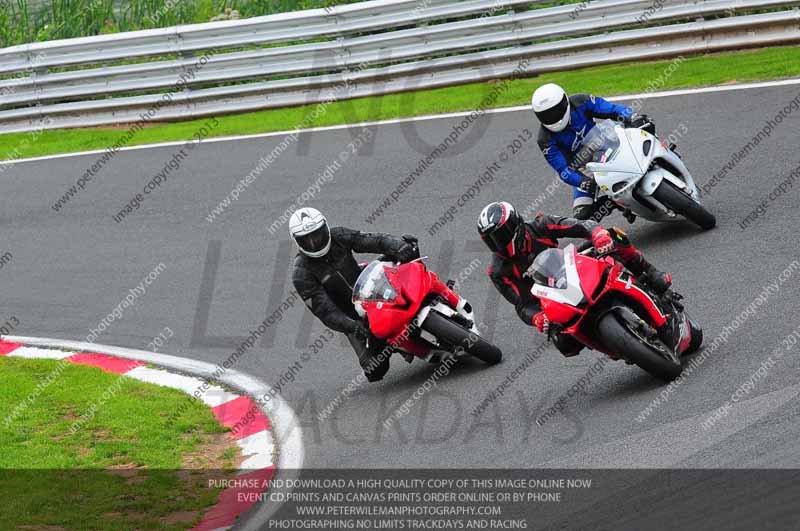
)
(310, 232)
(551, 106)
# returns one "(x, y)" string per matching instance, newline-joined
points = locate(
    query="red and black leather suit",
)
(507, 273)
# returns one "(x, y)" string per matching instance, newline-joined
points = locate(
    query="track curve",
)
(71, 268)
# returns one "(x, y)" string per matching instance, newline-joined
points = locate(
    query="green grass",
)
(20, 22)
(62, 19)
(765, 64)
(78, 480)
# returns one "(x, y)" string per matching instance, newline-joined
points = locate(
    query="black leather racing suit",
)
(542, 233)
(326, 286)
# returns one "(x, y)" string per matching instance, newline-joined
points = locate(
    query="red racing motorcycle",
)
(599, 303)
(417, 314)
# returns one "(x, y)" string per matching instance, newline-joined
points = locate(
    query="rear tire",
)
(458, 336)
(676, 200)
(625, 344)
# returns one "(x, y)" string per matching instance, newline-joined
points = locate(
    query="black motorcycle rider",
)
(516, 244)
(324, 274)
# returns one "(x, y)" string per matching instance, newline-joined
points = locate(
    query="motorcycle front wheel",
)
(628, 344)
(678, 201)
(459, 337)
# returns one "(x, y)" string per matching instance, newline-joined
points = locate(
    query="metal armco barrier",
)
(368, 48)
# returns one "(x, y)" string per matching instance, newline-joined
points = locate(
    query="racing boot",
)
(634, 260)
(658, 281)
(629, 215)
(568, 346)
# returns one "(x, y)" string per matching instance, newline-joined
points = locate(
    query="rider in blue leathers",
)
(565, 121)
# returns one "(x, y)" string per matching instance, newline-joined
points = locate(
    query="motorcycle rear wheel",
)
(624, 342)
(459, 337)
(671, 197)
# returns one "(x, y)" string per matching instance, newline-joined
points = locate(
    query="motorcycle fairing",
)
(685, 331)
(684, 180)
(680, 332)
(635, 170)
(629, 159)
(572, 294)
(397, 321)
(570, 306)
(591, 273)
(629, 287)
(412, 282)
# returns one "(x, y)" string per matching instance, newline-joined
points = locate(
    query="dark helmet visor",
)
(498, 238)
(554, 114)
(315, 241)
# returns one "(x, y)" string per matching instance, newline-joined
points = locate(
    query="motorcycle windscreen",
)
(607, 148)
(550, 270)
(599, 145)
(373, 285)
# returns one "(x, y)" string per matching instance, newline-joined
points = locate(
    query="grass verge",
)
(705, 70)
(128, 466)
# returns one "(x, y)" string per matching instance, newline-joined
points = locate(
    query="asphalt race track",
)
(71, 268)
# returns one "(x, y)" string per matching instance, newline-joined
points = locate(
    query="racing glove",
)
(541, 322)
(642, 121)
(407, 253)
(601, 239)
(361, 331)
(587, 185)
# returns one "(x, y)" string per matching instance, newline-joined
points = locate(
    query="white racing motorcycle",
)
(642, 175)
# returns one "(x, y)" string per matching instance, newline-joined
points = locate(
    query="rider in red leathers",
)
(516, 243)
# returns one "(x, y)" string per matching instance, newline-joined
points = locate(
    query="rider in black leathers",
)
(324, 274)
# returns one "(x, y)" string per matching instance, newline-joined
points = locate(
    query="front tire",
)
(459, 337)
(624, 342)
(676, 200)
